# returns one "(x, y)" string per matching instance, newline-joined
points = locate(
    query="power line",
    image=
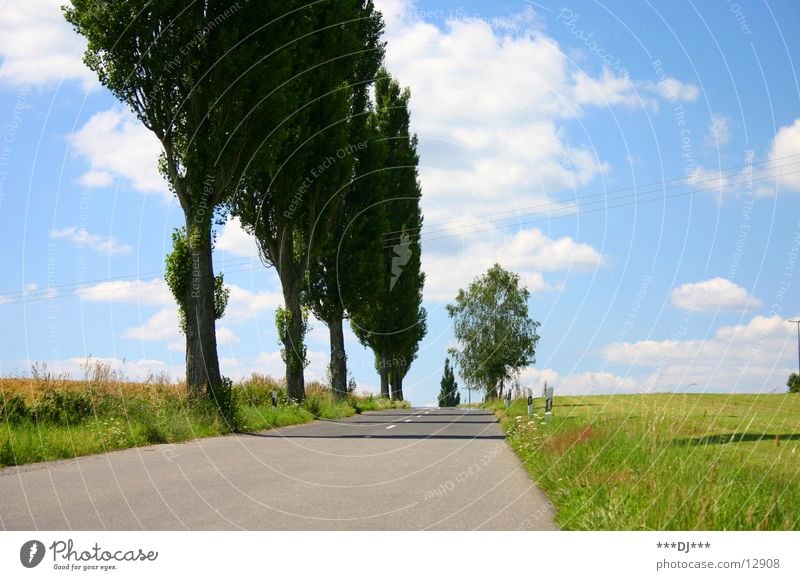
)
(709, 175)
(603, 204)
(635, 196)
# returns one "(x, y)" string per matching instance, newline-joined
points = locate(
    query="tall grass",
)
(665, 462)
(49, 416)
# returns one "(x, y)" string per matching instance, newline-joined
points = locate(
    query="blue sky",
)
(537, 123)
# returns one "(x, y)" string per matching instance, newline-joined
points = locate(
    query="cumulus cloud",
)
(786, 142)
(100, 244)
(488, 102)
(244, 304)
(140, 292)
(449, 267)
(40, 48)
(756, 356)
(117, 146)
(232, 238)
(162, 326)
(714, 295)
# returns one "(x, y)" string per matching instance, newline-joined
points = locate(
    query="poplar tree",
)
(200, 76)
(393, 322)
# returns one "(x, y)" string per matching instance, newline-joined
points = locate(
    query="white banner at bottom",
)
(399, 555)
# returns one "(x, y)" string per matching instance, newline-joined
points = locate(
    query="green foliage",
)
(294, 353)
(63, 407)
(13, 407)
(178, 275)
(226, 404)
(449, 395)
(391, 319)
(793, 383)
(491, 323)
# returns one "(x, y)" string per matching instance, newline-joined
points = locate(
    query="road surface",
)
(403, 469)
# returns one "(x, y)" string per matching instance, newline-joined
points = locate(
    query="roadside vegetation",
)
(664, 462)
(48, 417)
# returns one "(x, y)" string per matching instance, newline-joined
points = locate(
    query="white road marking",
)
(408, 420)
(419, 415)
(391, 426)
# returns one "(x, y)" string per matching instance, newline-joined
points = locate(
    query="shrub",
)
(13, 407)
(62, 406)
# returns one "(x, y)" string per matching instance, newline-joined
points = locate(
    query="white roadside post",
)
(508, 399)
(274, 398)
(530, 404)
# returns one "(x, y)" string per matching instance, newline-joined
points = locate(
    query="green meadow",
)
(665, 461)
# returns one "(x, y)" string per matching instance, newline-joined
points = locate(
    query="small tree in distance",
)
(492, 326)
(793, 383)
(449, 395)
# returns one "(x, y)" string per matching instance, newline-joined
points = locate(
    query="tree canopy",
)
(497, 337)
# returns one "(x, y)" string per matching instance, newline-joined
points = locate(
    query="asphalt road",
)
(408, 469)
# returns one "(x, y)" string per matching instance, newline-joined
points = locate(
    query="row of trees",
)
(263, 111)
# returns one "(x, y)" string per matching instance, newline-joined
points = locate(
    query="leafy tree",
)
(793, 383)
(347, 251)
(200, 76)
(449, 395)
(393, 322)
(292, 205)
(491, 323)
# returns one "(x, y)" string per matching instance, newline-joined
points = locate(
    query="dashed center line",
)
(407, 421)
(419, 415)
(391, 426)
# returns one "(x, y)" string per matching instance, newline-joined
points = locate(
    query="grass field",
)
(49, 417)
(664, 462)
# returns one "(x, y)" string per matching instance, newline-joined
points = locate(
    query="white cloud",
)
(243, 304)
(673, 90)
(786, 142)
(226, 336)
(608, 90)
(756, 356)
(100, 244)
(714, 295)
(576, 384)
(162, 326)
(487, 102)
(233, 239)
(529, 253)
(141, 292)
(271, 363)
(39, 47)
(116, 145)
(719, 133)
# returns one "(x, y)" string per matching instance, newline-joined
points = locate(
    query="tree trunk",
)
(338, 358)
(384, 372)
(202, 362)
(295, 382)
(397, 383)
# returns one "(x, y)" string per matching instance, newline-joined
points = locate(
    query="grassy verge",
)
(51, 417)
(665, 462)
